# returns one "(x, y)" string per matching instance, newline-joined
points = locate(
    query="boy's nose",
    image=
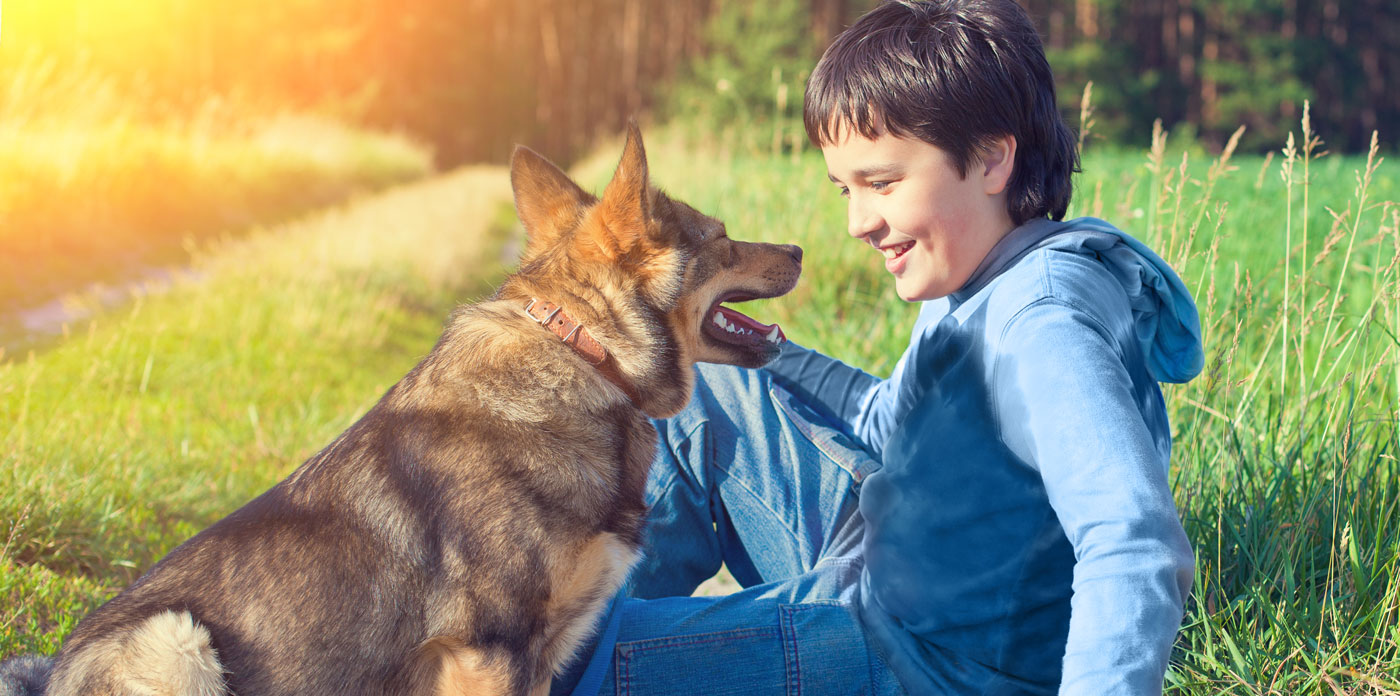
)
(861, 219)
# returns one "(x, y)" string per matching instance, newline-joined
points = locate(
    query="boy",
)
(995, 517)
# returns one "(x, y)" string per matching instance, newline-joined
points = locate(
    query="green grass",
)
(149, 424)
(131, 436)
(95, 184)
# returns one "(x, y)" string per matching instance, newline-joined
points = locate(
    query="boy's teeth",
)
(892, 252)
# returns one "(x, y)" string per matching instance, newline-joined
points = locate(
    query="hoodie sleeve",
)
(842, 392)
(865, 406)
(1075, 401)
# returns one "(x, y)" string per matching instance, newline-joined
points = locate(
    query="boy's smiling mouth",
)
(895, 251)
(896, 255)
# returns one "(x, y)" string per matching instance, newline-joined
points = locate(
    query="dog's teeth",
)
(773, 335)
(719, 320)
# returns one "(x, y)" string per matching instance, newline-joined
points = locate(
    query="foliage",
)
(1218, 65)
(471, 79)
(746, 84)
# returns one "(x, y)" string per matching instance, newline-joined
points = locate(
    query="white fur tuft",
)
(170, 655)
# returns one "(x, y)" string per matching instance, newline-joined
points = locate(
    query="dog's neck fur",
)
(575, 335)
(649, 363)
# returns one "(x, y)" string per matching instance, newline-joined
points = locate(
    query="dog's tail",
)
(168, 653)
(27, 675)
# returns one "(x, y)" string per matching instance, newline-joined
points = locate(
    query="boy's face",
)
(905, 199)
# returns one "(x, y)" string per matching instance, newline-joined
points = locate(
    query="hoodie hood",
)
(1164, 313)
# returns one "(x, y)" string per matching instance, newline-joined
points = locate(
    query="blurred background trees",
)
(473, 77)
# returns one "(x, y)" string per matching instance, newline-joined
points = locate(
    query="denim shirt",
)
(1021, 536)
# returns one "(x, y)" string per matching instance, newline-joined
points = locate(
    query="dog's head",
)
(648, 275)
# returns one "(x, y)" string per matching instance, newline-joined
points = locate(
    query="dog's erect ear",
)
(626, 205)
(546, 199)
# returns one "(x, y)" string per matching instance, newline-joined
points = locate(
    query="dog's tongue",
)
(736, 324)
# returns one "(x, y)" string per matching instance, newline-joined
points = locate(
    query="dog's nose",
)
(794, 251)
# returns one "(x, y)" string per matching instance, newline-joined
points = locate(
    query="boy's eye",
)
(879, 185)
(845, 192)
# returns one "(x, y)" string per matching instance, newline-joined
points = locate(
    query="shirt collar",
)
(1017, 243)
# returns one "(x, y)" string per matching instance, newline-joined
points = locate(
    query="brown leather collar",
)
(576, 336)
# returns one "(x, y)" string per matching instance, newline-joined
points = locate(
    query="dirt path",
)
(448, 214)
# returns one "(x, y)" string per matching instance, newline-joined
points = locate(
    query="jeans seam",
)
(686, 436)
(825, 445)
(761, 501)
(641, 646)
(794, 676)
(792, 657)
(624, 652)
(739, 480)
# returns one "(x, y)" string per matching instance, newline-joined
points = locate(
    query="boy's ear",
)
(998, 164)
(626, 203)
(546, 199)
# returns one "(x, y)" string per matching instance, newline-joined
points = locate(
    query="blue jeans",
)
(748, 476)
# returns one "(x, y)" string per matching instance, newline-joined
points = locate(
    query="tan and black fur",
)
(463, 536)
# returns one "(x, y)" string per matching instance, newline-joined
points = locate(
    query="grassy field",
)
(132, 435)
(96, 184)
(151, 423)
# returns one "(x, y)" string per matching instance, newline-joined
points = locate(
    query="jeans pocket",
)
(827, 653)
(739, 662)
(832, 442)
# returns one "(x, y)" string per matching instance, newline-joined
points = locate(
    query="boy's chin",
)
(911, 291)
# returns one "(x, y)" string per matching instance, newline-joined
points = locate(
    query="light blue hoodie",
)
(1021, 535)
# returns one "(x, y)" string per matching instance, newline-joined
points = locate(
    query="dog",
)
(465, 535)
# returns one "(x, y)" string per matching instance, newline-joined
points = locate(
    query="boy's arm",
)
(1067, 405)
(850, 396)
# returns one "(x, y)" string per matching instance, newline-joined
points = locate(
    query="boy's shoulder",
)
(1086, 272)
(1068, 271)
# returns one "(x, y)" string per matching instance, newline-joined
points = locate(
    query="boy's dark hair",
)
(956, 74)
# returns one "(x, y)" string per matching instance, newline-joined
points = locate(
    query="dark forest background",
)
(473, 77)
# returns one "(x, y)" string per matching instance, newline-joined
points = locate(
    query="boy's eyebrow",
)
(873, 171)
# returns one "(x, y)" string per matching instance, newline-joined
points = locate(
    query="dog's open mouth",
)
(729, 326)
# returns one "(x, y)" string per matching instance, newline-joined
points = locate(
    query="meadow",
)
(99, 184)
(151, 422)
(139, 429)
